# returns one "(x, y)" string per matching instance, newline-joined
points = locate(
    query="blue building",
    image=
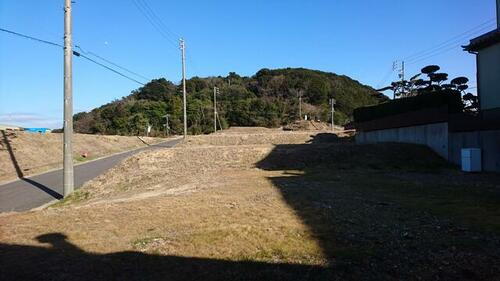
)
(37, 130)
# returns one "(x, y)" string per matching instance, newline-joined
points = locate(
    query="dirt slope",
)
(28, 154)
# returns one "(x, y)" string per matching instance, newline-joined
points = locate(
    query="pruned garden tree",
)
(434, 83)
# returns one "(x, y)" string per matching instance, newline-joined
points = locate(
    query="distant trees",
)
(434, 84)
(269, 99)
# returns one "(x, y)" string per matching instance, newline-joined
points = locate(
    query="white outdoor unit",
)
(471, 159)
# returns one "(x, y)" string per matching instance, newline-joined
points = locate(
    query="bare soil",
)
(25, 154)
(226, 208)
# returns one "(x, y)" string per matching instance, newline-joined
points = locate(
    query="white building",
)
(487, 50)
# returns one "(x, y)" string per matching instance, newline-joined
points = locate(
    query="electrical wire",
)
(439, 51)
(453, 39)
(433, 55)
(32, 38)
(154, 23)
(112, 63)
(386, 77)
(443, 47)
(161, 27)
(107, 67)
(159, 20)
(74, 53)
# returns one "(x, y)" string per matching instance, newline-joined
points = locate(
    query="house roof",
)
(483, 41)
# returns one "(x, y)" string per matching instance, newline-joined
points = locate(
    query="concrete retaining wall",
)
(447, 144)
(433, 135)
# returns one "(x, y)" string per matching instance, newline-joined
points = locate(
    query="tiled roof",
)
(483, 41)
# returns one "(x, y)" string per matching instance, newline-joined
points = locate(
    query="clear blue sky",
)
(358, 38)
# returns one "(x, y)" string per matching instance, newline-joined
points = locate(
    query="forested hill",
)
(269, 99)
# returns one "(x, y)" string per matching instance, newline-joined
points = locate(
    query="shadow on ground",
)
(65, 261)
(361, 237)
(338, 189)
(6, 145)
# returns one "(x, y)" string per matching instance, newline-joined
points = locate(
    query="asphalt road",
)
(28, 193)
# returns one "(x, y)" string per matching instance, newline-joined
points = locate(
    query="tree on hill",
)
(269, 99)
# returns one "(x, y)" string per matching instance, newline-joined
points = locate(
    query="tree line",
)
(270, 98)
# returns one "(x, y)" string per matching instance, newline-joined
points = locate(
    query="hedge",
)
(399, 106)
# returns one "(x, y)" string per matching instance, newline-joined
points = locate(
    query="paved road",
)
(28, 193)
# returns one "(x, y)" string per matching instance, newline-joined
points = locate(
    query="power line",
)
(159, 20)
(31, 38)
(386, 77)
(107, 67)
(153, 22)
(112, 63)
(443, 49)
(74, 53)
(433, 55)
(472, 30)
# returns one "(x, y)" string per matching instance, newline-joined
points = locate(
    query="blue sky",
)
(358, 38)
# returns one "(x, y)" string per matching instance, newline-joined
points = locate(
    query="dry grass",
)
(312, 211)
(248, 130)
(228, 139)
(35, 153)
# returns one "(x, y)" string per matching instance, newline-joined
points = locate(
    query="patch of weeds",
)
(80, 158)
(143, 242)
(75, 197)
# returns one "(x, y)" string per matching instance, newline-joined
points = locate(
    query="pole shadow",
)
(7, 144)
(43, 188)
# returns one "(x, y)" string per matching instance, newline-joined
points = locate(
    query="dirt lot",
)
(25, 154)
(323, 209)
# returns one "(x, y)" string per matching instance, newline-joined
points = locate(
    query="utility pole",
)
(167, 127)
(403, 70)
(402, 76)
(216, 91)
(300, 105)
(68, 179)
(183, 51)
(332, 103)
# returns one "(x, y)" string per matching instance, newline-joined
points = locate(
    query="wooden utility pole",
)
(183, 51)
(68, 175)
